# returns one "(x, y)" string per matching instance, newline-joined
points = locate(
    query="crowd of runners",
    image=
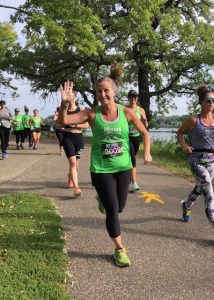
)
(117, 133)
(24, 126)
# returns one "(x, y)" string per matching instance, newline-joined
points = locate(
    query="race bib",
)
(111, 150)
(132, 130)
(206, 158)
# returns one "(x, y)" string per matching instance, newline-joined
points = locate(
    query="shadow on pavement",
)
(106, 257)
(97, 223)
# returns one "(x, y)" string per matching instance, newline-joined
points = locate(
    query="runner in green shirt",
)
(134, 136)
(110, 156)
(35, 126)
(26, 122)
(18, 129)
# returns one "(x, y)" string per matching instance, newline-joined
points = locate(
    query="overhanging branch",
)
(16, 8)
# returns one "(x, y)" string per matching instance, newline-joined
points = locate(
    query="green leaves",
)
(62, 23)
(164, 45)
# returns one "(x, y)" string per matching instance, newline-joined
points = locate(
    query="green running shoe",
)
(100, 205)
(121, 258)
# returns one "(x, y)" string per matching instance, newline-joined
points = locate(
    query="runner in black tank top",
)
(73, 145)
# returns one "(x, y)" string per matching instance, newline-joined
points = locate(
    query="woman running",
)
(5, 127)
(36, 123)
(110, 156)
(18, 129)
(201, 152)
(58, 130)
(73, 145)
(26, 123)
(135, 136)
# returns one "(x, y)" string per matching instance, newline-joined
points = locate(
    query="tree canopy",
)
(165, 46)
(8, 49)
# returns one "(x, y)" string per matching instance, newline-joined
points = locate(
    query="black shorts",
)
(134, 143)
(73, 144)
(37, 130)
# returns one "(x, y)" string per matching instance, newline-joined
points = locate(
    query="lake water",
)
(162, 134)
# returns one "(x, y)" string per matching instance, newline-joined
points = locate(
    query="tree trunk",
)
(144, 94)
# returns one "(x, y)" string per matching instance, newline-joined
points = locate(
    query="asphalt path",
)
(170, 259)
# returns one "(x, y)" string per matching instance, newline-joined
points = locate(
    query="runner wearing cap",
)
(135, 136)
(26, 122)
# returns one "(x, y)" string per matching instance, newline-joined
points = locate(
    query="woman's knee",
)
(72, 162)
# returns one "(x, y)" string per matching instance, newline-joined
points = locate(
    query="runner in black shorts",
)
(36, 123)
(73, 145)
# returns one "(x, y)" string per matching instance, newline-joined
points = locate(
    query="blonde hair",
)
(113, 77)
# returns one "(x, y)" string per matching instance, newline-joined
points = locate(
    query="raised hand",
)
(67, 93)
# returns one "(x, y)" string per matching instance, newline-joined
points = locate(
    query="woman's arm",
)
(82, 126)
(187, 126)
(67, 97)
(143, 117)
(133, 118)
(80, 118)
(55, 117)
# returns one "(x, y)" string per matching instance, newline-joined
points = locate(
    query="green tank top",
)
(110, 144)
(36, 122)
(26, 121)
(17, 123)
(132, 130)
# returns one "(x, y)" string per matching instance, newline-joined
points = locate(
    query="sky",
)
(48, 107)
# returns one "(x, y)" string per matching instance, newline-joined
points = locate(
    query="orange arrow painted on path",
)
(151, 197)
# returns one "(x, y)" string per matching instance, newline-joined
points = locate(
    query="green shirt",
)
(36, 122)
(110, 144)
(17, 123)
(26, 121)
(132, 130)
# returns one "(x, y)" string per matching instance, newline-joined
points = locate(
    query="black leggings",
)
(134, 142)
(20, 136)
(28, 133)
(112, 190)
(4, 137)
(59, 135)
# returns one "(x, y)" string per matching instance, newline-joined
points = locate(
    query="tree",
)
(61, 37)
(166, 46)
(8, 49)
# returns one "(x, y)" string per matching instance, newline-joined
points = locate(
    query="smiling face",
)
(208, 102)
(105, 91)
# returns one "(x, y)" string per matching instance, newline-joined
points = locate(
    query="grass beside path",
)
(32, 262)
(170, 157)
